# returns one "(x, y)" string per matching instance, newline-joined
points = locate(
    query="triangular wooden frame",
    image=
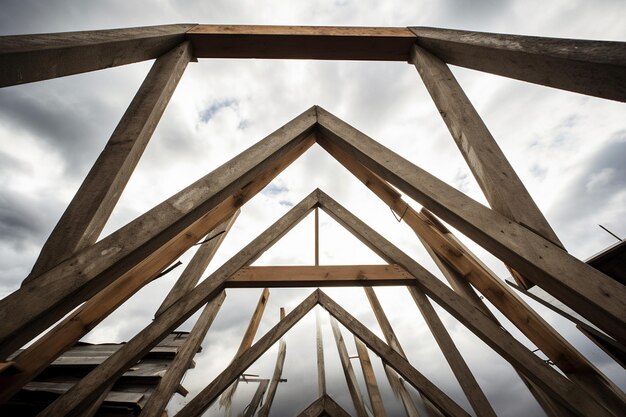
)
(324, 406)
(566, 392)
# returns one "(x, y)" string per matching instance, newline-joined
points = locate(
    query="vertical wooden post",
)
(317, 236)
(256, 399)
(370, 379)
(278, 371)
(459, 367)
(92, 205)
(353, 386)
(394, 343)
(502, 187)
(319, 342)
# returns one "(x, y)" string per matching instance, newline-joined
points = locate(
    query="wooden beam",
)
(378, 409)
(176, 369)
(576, 399)
(205, 398)
(85, 217)
(315, 409)
(256, 399)
(475, 395)
(390, 356)
(38, 304)
(503, 189)
(595, 68)
(451, 253)
(198, 264)
(317, 237)
(28, 58)
(88, 388)
(595, 296)
(319, 344)
(319, 276)
(392, 340)
(333, 409)
(278, 371)
(302, 42)
(348, 371)
(35, 358)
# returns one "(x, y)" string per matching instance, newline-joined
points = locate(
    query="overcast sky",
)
(568, 149)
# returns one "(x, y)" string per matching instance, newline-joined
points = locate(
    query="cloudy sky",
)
(568, 149)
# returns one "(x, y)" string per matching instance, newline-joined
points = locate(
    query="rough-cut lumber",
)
(198, 264)
(85, 217)
(595, 296)
(468, 383)
(256, 399)
(64, 335)
(28, 58)
(370, 380)
(203, 400)
(319, 348)
(324, 406)
(499, 182)
(91, 385)
(39, 303)
(171, 379)
(319, 276)
(278, 371)
(392, 340)
(302, 42)
(390, 356)
(333, 409)
(595, 68)
(576, 399)
(348, 371)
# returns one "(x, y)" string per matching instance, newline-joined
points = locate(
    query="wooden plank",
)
(459, 266)
(319, 348)
(176, 370)
(302, 42)
(256, 399)
(34, 359)
(599, 298)
(95, 406)
(503, 189)
(319, 276)
(317, 237)
(595, 68)
(549, 380)
(28, 58)
(198, 264)
(315, 409)
(246, 342)
(344, 357)
(38, 304)
(392, 340)
(475, 395)
(370, 380)
(391, 357)
(85, 217)
(91, 385)
(278, 371)
(205, 398)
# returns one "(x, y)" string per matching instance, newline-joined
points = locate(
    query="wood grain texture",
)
(28, 58)
(595, 68)
(598, 298)
(569, 394)
(59, 290)
(371, 384)
(91, 385)
(276, 376)
(319, 276)
(301, 42)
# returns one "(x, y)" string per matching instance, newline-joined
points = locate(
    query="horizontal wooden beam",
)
(319, 276)
(28, 58)
(302, 42)
(595, 68)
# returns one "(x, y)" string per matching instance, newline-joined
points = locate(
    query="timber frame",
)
(76, 269)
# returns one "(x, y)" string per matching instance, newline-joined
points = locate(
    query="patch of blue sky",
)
(207, 114)
(274, 189)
